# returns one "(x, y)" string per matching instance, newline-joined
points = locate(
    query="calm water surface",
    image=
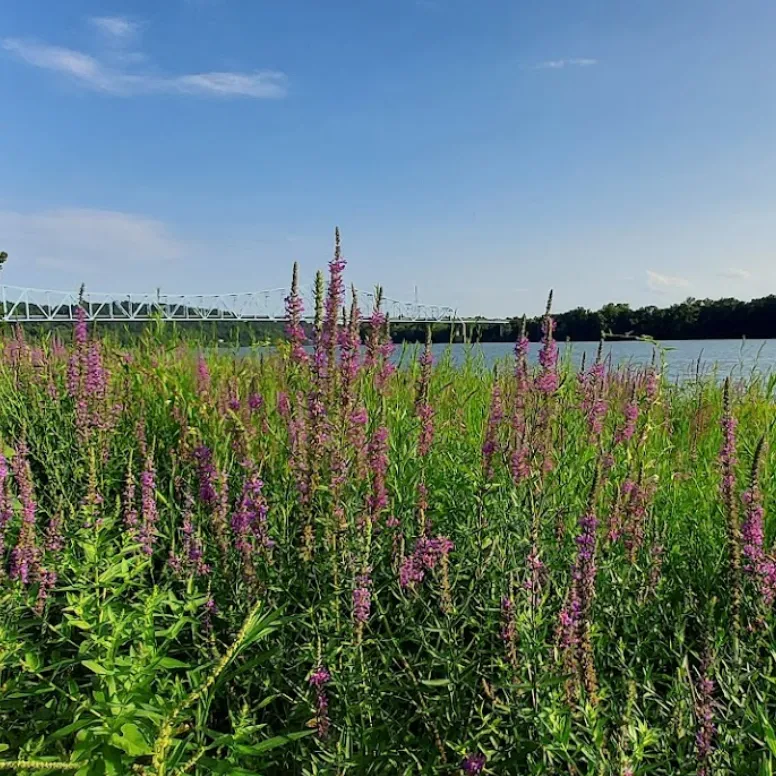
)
(682, 358)
(738, 358)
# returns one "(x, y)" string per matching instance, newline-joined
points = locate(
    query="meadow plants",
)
(309, 561)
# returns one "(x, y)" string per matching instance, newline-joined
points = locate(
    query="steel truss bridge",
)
(30, 305)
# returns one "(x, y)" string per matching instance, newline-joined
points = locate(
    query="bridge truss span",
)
(29, 305)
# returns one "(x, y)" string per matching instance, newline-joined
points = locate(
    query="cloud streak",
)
(663, 283)
(91, 73)
(78, 240)
(560, 64)
(735, 273)
(117, 29)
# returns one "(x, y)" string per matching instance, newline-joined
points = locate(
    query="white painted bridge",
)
(31, 305)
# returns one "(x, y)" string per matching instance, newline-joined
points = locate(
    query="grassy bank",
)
(300, 564)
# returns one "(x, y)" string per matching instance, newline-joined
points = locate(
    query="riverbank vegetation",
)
(315, 563)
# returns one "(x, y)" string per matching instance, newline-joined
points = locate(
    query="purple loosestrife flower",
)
(130, 512)
(752, 529)
(519, 462)
(491, 444)
(536, 570)
(727, 453)
(378, 466)
(192, 557)
(255, 401)
(573, 630)
(283, 405)
(704, 715)
(209, 610)
(593, 403)
(615, 522)
(320, 677)
(548, 380)
(318, 681)
(567, 632)
(219, 516)
(203, 375)
(294, 312)
(387, 368)
(51, 388)
(768, 581)
(379, 347)
(96, 381)
(423, 408)
(509, 630)
(233, 396)
(149, 514)
(519, 465)
(357, 423)
(362, 597)
(651, 384)
(635, 498)
(728, 462)
(330, 325)
(756, 563)
(26, 555)
(507, 619)
(631, 414)
(249, 523)
(426, 415)
(350, 344)
(47, 580)
(80, 333)
(298, 438)
(54, 539)
(38, 358)
(410, 572)
(6, 510)
(425, 557)
(206, 471)
(473, 763)
(58, 350)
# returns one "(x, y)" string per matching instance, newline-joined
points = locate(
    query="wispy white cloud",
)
(663, 283)
(559, 64)
(92, 73)
(736, 273)
(82, 240)
(116, 29)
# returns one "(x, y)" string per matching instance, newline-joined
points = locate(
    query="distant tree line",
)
(692, 319)
(206, 333)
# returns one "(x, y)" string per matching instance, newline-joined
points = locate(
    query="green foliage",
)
(138, 661)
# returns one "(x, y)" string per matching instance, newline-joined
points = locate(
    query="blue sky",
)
(483, 150)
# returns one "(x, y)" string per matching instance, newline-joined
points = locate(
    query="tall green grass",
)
(130, 662)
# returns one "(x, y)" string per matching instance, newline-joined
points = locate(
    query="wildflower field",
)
(314, 562)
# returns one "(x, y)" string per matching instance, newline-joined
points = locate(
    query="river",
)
(738, 358)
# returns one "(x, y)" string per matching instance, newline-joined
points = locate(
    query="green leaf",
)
(435, 682)
(73, 727)
(272, 743)
(32, 661)
(131, 740)
(171, 662)
(94, 666)
(218, 766)
(111, 758)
